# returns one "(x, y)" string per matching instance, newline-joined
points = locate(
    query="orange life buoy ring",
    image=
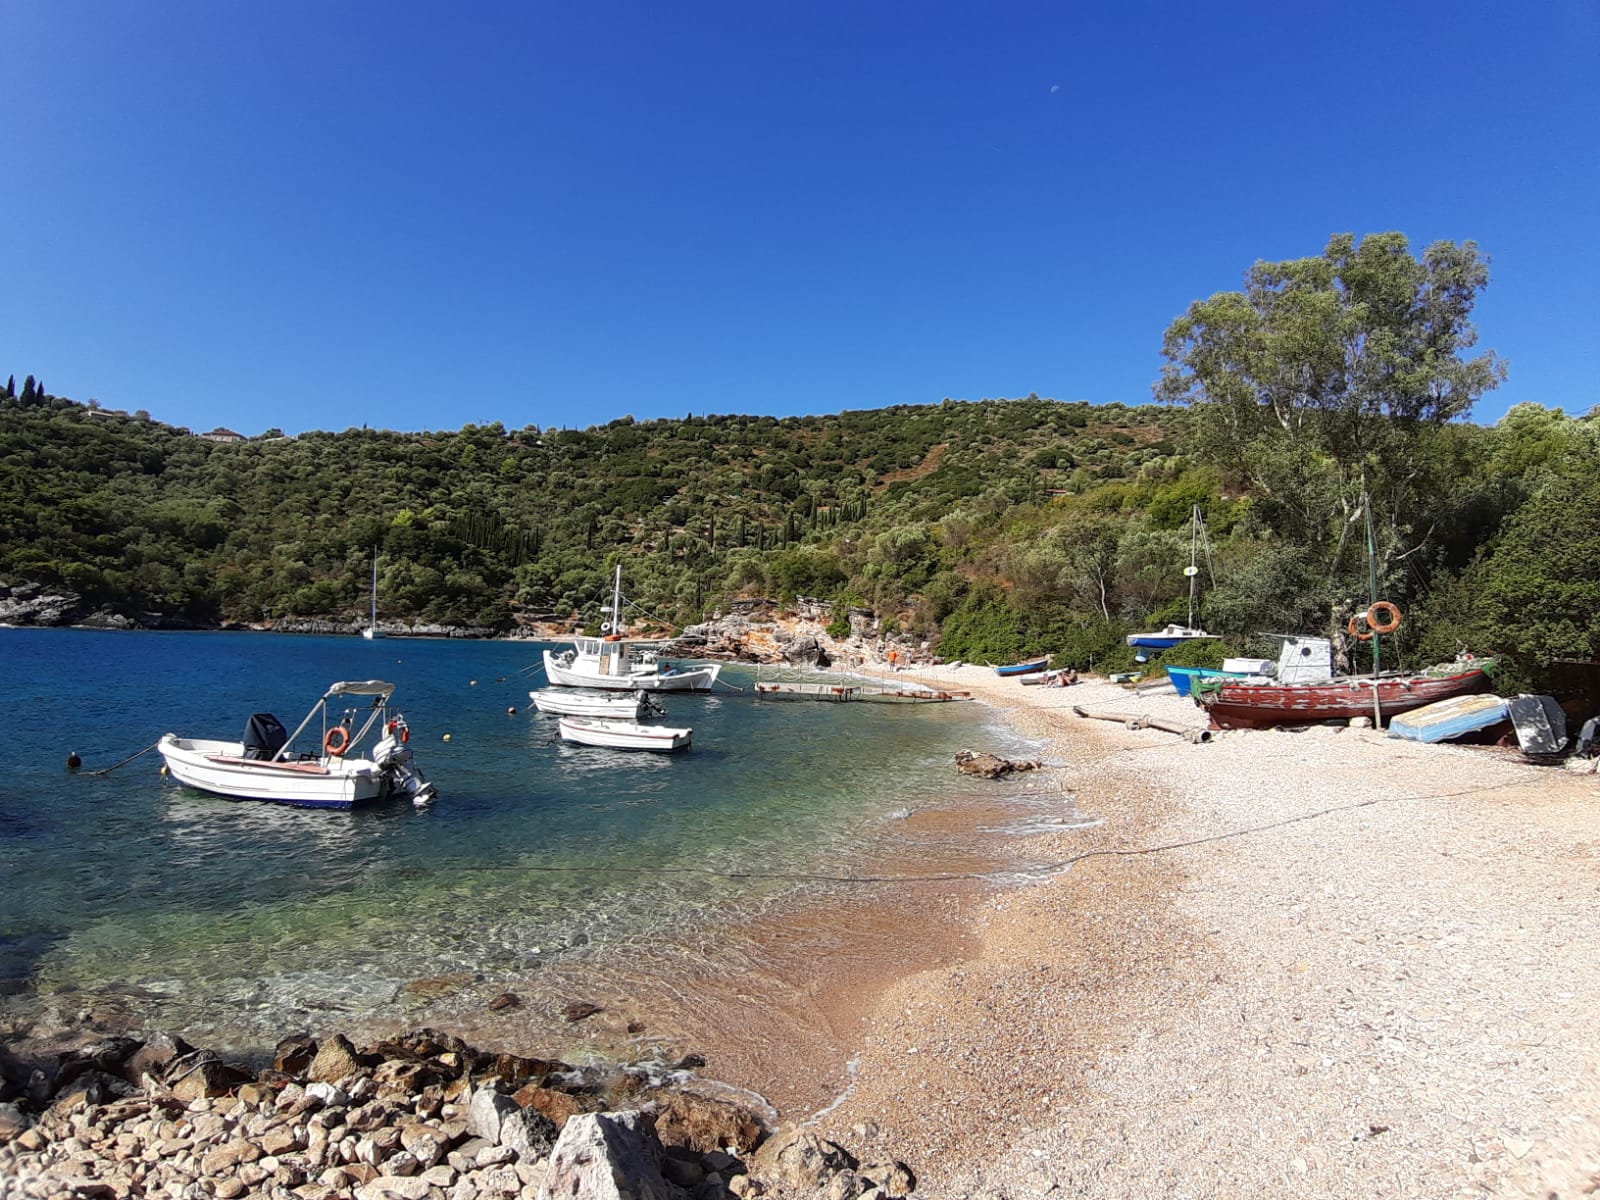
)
(1391, 614)
(1355, 629)
(337, 741)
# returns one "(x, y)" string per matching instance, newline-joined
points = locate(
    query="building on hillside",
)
(219, 434)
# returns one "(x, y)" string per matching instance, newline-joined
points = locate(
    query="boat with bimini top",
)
(265, 764)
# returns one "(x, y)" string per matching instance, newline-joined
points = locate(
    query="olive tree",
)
(1320, 383)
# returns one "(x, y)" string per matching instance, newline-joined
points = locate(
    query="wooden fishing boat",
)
(616, 662)
(1253, 704)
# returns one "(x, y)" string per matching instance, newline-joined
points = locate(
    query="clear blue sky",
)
(415, 216)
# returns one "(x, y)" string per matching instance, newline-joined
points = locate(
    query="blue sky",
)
(415, 216)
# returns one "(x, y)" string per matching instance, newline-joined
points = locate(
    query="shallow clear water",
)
(131, 884)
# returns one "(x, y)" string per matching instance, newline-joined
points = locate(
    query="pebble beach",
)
(1324, 963)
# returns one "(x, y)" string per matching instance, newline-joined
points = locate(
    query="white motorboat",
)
(264, 764)
(623, 735)
(562, 702)
(613, 661)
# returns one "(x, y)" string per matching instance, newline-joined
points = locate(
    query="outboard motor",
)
(394, 758)
(264, 736)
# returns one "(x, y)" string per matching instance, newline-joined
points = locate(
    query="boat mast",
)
(1194, 567)
(372, 623)
(616, 602)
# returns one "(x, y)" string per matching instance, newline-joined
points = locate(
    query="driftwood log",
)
(1129, 720)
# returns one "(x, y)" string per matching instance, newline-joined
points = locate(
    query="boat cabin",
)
(610, 656)
(1305, 660)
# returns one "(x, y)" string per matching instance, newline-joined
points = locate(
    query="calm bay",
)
(241, 920)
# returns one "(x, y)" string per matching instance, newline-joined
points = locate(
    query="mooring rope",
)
(126, 761)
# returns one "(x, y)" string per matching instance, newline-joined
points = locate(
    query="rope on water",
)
(126, 761)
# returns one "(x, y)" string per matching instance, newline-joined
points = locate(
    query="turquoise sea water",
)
(129, 884)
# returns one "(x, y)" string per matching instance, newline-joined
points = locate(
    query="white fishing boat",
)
(265, 765)
(623, 735)
(372, 631)
(613, 661)
(625, 707)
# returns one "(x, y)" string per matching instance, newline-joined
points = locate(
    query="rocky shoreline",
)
(422, 1116)
(757, 632)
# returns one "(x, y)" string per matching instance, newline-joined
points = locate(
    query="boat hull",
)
(221, 769)
(1025, 668)
(624, 735)
(695, 679)
(1183, 678)
(1259, 706)
(580, 704)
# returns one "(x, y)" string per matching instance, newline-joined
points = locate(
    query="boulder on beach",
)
(992, 766)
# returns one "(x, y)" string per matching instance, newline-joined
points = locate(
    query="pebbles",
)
(1363, 967)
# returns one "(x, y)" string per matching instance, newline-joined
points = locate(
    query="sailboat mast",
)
(616, 603)
(1194, 565)
(373, 623)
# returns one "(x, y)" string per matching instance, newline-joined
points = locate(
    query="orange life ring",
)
(1390, 611)
(1355, 629)
(337, 741)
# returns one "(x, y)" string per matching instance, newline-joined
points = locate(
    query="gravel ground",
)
(1341, 966)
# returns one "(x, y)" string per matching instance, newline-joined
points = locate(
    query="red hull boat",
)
(1233, 704)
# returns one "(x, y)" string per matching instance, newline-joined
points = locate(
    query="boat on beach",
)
(1024, 668)
(1183, 678)
(265, 765)
(1306, 691)
(566, 703)
(1176, 635)
(614, 661)
(623, 735)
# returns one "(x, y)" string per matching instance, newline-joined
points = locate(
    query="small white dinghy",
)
(623, 735)
(566, 703)
(264, 764)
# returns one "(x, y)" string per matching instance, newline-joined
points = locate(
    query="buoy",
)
(474, 683)
(512, 711)
(447, 737)
(73, 761)
(163, 770)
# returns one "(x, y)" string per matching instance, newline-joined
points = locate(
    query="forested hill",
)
(1002, 527)
(1316, 421)
(484, 526)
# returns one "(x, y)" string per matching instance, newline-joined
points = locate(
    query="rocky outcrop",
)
(37, 604)
(421, 1117)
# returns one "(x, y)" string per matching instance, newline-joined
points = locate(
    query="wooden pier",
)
(839, 693)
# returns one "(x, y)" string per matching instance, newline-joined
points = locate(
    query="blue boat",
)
(1024, 668)
(1183, 677)
(1446, 719)
(1172, 635)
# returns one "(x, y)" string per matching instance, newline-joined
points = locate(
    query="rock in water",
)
(991, 766)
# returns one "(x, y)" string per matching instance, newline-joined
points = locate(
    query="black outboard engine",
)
(264, 736)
